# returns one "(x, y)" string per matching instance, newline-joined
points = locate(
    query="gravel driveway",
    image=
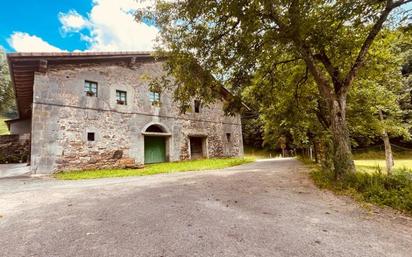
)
(267, 208)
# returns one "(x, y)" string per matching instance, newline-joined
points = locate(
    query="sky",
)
(73, 25)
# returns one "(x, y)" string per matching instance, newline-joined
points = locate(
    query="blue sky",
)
(69, 25)
(40, 17)
(75, 25)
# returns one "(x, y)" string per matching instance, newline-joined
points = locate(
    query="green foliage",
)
(294, 61)
(6, 89)
(288, 103)
(394, 191)
(379, 154)
(379, 87)
(252, 131)
(3, 127)
(259, 153)
(372, 165)
(170, 167)
(406, 53)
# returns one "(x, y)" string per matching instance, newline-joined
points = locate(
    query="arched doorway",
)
(155, 143)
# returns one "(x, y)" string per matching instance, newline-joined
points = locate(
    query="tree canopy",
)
(312, 50)
(6, 89)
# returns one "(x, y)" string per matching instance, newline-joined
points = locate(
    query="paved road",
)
(14, 170)
(266, 208)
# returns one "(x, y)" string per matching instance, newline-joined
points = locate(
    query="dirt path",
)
(268, 208)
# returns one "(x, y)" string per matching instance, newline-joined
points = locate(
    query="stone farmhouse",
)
(96, 110)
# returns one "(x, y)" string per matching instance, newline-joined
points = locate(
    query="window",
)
(121, 97)
(90, 88)
(228, 136)
(197, 106)
(154, 97)
(90, 136)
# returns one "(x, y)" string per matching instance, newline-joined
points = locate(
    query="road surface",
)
(267, 208)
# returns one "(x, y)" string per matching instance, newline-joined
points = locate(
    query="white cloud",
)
(24, 42)
(112, 26)
(109, 26)
(72, 21)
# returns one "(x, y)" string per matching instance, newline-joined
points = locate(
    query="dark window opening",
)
(228, 136)
(154, 128)
(90, 88)
(118, 154)
(197, 106)
(121, 97)
(90, 136)
(196, 147)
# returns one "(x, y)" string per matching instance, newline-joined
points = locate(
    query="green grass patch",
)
(371, 166)
(372, 187)
(170, 167)
(374, 161)
(260, 153)
(3, 127)
(370, 183)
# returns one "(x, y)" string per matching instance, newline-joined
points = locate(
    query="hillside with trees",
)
(309, 65)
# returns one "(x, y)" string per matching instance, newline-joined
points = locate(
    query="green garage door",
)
(154, 149)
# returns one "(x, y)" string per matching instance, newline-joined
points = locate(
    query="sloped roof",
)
(23, 66)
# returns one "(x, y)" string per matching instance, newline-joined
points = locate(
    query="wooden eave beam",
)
(42, 66)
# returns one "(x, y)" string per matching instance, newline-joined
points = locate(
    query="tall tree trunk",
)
(388, 149)
(342, 154)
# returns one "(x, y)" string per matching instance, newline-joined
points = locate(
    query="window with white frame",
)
(90, 88)
(121, 97)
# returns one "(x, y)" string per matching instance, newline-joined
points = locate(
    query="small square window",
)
(90, 88)
(90, 136)
(228, 136)
(121, 97)
(154, 97)
(197, 106)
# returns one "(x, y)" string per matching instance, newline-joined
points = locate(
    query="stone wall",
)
(14, 148)
(20, 127)
(63, 115)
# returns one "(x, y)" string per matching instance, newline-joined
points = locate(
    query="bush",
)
(385, 190)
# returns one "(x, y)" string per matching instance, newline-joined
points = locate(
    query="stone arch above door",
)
(155, 127)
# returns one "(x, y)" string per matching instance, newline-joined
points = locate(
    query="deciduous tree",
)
(235, 39)
(6, 90)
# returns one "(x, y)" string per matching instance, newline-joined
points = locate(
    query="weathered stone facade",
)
(19, 127)
(63, 115)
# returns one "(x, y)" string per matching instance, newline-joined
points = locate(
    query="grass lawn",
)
(170, 167)
(380, 165)
(3, 126)
(371, 183)
(375, 161)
